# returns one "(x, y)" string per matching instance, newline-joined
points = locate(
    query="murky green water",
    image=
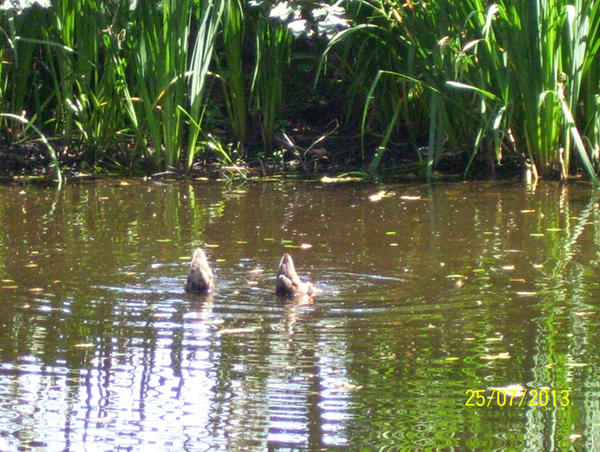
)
(429, 296)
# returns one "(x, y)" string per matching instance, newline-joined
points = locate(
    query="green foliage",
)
(111, 71)
(272, 58)
(537, 55)
(41, 136)
(132, 76)
(508, 54)
(129, 82)
(208, 29)
(232, 71)
(161, 45)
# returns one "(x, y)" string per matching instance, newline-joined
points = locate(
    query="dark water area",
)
(430, 295)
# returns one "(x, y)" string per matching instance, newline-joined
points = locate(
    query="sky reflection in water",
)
(428, 294)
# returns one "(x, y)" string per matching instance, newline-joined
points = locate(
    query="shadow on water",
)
(428, 294)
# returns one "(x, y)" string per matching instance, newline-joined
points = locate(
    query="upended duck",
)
(199, 277)
(288, 282)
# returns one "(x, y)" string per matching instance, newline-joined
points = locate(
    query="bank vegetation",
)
(405, 86)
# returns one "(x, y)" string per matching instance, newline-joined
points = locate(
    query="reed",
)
(21, 49)
(509, 55)
(232, 71)
(503, 78)
(272, 58)
(42, 137)
(406, 54)
(78, 92)
(161, 56)
(547, 50)
(202, 57)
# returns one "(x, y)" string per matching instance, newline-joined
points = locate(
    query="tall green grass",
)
(208, 28)
(401, 60)
(88, 80)
(67, 73)
(232, 71)
(161, 48)
(508, 55)
(27, 124)
(113, 74)
(546, 50)
(121, 77)
(130, 83)
(272, 58)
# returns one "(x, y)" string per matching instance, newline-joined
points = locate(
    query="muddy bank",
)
(31, 159)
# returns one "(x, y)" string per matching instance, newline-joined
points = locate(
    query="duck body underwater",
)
(289, 283)
(200, 278)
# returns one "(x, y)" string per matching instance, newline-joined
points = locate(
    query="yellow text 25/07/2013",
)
(512, 397)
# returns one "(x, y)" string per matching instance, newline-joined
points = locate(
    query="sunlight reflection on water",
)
(425, 298)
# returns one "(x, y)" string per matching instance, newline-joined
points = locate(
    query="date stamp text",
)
(512, 397)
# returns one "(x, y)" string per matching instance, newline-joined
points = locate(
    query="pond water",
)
(430, 295)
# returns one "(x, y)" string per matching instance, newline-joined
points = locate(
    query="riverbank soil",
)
(334, 154)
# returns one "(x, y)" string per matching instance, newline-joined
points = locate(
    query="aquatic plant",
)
(42, 137)
(161, 48)
(232, 69)
(111, 71)
(130, 83)
(202, 57)
(544, 77)
(509, 55)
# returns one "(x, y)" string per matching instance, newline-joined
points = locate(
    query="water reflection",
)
(428, 293)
